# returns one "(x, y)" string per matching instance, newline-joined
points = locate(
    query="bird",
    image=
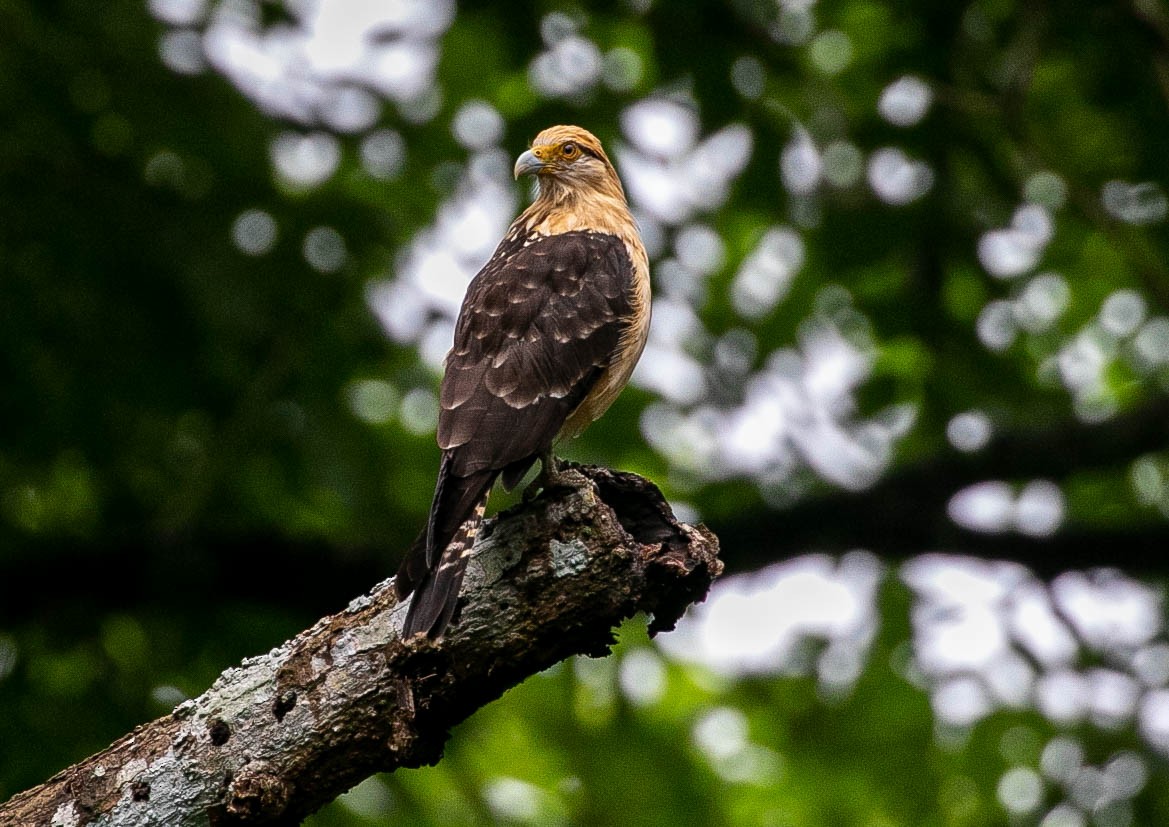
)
(548, 334)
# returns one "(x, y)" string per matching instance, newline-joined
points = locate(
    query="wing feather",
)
(540, 323)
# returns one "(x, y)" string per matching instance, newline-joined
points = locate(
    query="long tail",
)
(433, 567)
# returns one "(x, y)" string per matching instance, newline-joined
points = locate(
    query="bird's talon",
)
(551, 477)
(565, 478)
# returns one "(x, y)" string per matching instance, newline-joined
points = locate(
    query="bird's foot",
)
(554, 475)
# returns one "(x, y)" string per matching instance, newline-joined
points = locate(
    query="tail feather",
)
(413, 568)
(437, 592)
(433, 567)
(455, 497)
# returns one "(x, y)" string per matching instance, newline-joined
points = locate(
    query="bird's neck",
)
(562, 209)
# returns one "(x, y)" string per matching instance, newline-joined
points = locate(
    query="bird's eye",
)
(569, 150)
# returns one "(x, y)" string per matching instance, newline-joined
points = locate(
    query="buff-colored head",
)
(568, 157)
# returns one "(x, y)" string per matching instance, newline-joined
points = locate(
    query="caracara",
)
(547, 336)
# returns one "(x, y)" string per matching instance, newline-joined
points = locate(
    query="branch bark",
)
(280, 735)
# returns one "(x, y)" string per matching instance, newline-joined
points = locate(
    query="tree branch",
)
(277, 737)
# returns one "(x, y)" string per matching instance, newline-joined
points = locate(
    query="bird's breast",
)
(629, 347)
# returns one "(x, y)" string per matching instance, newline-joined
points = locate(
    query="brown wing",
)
(540, 323)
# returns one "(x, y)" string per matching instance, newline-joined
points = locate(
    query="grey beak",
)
(527, 164)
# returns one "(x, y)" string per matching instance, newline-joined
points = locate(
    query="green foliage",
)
(208, 439)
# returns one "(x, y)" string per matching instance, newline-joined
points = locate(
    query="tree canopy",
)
(909, 361)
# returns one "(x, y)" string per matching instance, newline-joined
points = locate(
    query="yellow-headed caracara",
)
(547, 336)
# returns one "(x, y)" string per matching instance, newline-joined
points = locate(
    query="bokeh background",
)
(909, 359)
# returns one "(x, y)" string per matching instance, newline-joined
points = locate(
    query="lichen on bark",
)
(278, 736)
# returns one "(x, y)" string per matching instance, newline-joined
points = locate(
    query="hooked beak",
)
(527, 164)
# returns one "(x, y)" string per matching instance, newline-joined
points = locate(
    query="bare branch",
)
(283, 733)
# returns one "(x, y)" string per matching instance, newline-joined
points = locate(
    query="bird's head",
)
(568, 157)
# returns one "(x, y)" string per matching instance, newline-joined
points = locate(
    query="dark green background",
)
(183, 481)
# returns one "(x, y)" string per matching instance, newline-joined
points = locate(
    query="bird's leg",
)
(552, 476)
(542, 480)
